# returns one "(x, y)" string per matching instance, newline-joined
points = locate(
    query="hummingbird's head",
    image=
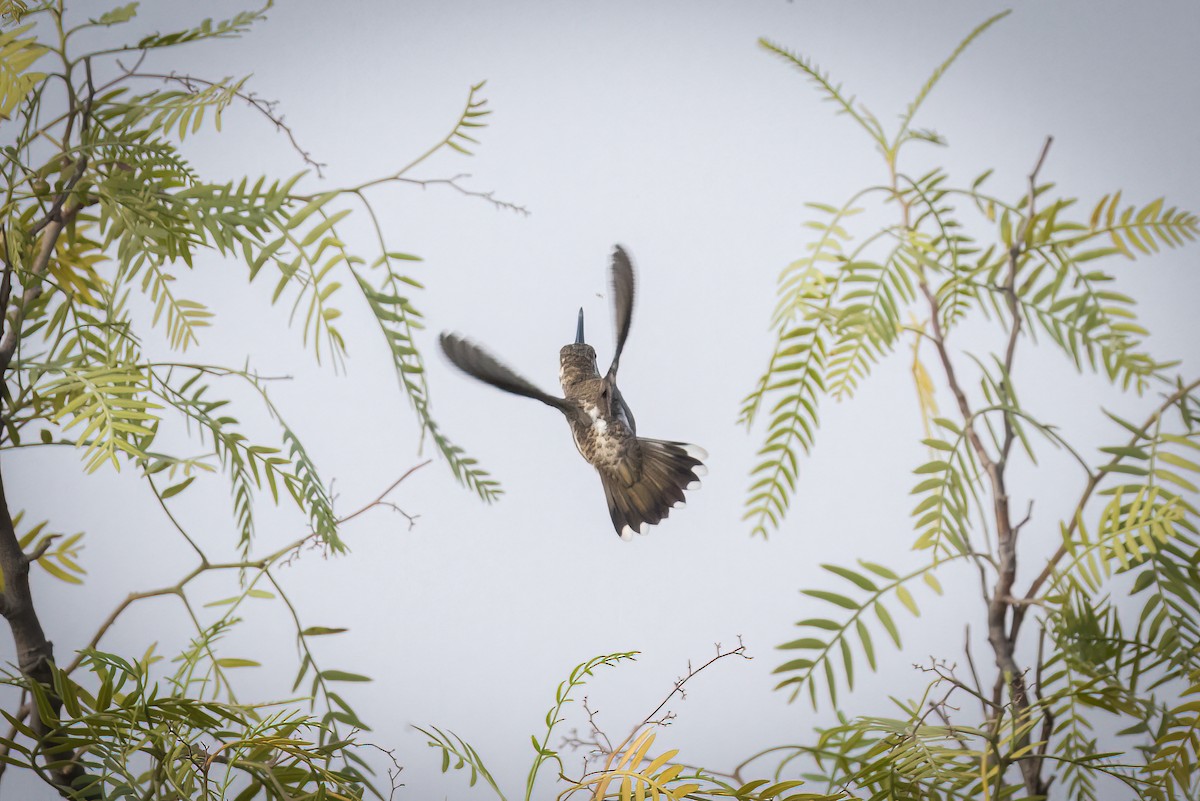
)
(577, 361)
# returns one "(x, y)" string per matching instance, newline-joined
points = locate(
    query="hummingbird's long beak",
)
(579, 328)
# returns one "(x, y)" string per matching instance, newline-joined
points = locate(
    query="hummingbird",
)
(642, 478)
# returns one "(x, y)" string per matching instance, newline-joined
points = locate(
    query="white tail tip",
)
(627, 531)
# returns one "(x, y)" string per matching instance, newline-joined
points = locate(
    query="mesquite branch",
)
(1002, 632)
(35, 653)
(17, 606)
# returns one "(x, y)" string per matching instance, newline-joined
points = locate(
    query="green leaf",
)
(833, 598)
(175, 489)
(803, 643)
(886, 619)
(231, 662)
(340, 675)
(906, 598)
(864, 637)
(932, 581)
(118, 15)
(317, 631)
(858, 580)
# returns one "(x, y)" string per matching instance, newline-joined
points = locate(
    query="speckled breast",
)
(605, 443)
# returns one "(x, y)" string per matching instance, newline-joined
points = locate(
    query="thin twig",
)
(678, 689)
(452, 182)
(971, 664)
(265, 107)
(379, 500)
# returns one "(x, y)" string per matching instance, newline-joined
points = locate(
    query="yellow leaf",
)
(662, 759)
(672, 773)
(639, 748)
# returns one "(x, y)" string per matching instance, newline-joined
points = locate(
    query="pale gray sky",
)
(662, 126)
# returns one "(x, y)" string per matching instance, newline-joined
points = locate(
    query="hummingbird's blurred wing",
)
(475, 361)
(622, 283)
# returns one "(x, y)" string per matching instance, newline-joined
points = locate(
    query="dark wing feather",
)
(622, 284)
(478, 363)
(621, 408)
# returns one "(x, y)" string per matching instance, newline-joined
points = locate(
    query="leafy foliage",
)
(399, 320)
(827, 641)
(187, 746)
(16, 77)
(1114, 607)
(946, 486)
(839, 311)
(457, 755)
(630, 771)
(1173, 762)
(103, 216)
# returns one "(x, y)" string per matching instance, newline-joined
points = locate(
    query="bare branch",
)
(452, 182)
(1019, 247)
(379, 501)
(974, 673)
(1001, 630)
(40, 549)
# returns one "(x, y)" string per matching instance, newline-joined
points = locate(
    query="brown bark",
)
(35, 653)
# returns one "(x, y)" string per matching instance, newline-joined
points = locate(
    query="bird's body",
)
(642, 478)
(605, 433)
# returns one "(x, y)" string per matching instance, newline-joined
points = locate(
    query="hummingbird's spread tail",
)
(668, 468)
